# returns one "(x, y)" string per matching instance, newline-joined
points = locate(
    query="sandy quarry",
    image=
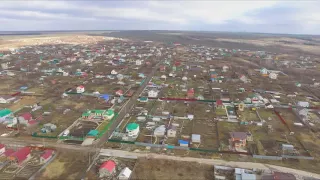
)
(16, 42)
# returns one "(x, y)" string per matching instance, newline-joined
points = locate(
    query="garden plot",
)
(311, 142)
(207, 129)
(82, 128)
(200, 110)
(179, 109)
(166, 169)
(248, 115)
(184, 131)
(290, 119)
(121, 163)
(224, 129)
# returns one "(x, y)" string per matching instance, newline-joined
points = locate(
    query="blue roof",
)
(183, 142)
(105, 96)
(23, 87)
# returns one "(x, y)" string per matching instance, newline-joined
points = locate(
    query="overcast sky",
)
(302, 17)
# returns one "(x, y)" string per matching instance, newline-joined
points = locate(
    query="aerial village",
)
(166, 98)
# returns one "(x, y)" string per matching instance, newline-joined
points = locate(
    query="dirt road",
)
(135, 155)
(249, 165)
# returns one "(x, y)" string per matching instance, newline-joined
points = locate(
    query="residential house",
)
(8, 152)
(138, 62)
(153, 93)
(273, 75)
(80, 89)
(107, 169)
(20, 155)
(225, 68)
(184, 78)
(26, 119)
(303, 104)
(125, 174)
(143, 99)
(162, 68)
(264, 71)
(281, 176)
(172, 132)
(160, 131)
(119, 92)
(114, 72)
(243, 78)
(200, 97)
(238, 139)
(190, 93)
(219, 104)
(133, 129)
(97, 113)
(5, 113)
(48, 153)
(243, 174)
(6, 99)
(2, 149)
(303, 112)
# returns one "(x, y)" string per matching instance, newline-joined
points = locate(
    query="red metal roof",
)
(21, 154)
(191, 91)
(8, 152)
(32, 122)
(109, 165)
(47, 154)
(27, 116)
(219, 102)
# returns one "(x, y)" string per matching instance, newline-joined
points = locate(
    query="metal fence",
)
(298, 157)
(267, 157)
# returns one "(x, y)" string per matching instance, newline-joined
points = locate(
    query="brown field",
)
(66, 166)
(166, 169)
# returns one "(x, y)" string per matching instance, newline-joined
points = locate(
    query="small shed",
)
(125, 174)
(287, 147)
(195, 138)
(183, 143)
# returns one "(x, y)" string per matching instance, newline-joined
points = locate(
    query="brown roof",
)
(238, 135)
(283, 176)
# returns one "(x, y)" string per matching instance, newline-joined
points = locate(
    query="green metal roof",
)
(98, 111)
(132, 126)
(110, 112)
(143, 98)
(93, 132)
(5, 112)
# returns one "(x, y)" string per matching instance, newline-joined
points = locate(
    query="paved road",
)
(248, 165)
(127, 107)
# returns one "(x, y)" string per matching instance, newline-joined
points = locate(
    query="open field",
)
(66, 166)
(166, 169)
